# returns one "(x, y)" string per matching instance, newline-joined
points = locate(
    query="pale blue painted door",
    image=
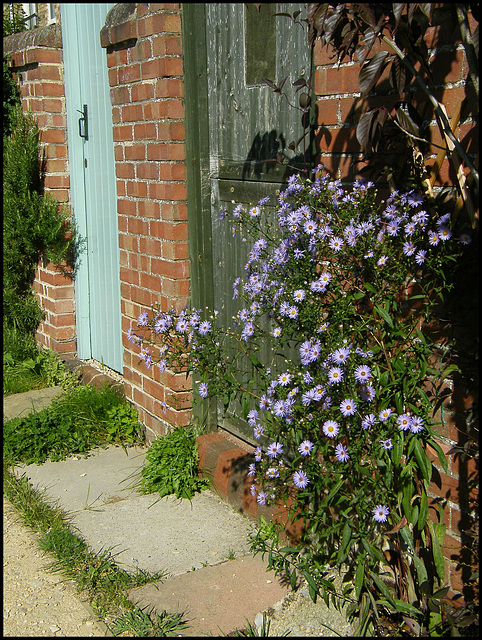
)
(93, 183)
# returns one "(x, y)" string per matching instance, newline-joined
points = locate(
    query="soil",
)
(37, 602)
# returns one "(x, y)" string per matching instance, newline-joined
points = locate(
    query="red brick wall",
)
(144, 58)
(37, 61)
(340, 106)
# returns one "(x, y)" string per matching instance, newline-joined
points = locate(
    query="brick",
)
(145, 131)
(147, 171)
(142, 91)
(151, 25)
(148, 209)
(137, 226)
(150, 246)
(169, 88)
(138, 189)
(122, 133)
(172, 270)
(126, 207)
(124, 170)
(129, 73)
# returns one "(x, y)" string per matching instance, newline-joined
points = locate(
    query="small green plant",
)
(171, 466)
(142, 623)
(123, 425)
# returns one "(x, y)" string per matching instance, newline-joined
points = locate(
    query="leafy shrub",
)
(344, 291)
(171, 466)
(35, 225)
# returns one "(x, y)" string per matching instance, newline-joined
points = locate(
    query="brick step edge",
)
(226, 464)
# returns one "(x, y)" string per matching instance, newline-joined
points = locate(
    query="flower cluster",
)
(344, 408)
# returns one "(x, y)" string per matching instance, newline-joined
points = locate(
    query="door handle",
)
(84, 119)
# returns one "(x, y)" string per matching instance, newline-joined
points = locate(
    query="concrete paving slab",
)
(218, 599)
(143, 531)
(21, 404)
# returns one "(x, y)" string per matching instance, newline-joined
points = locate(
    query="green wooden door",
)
(236, 129)
(93, 183)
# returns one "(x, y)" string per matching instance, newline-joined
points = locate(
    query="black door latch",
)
(85, 122)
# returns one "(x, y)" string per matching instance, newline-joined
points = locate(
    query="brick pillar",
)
(37, 61)
(144, 59)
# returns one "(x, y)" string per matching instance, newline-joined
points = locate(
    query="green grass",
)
(95, 575)
(77, 421)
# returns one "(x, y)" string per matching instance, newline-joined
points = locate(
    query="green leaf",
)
(437, 531)
(382, 587)
(345, 541)
(422, 575)
(384, 314)
(334, 491)
(441, 455)
(312, 587)
(422, 516)
(423, 461)
(359, 575)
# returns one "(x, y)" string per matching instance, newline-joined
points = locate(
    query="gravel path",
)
(35, 602)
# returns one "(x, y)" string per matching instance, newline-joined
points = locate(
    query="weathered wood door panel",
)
(241, 126)
(93, 183)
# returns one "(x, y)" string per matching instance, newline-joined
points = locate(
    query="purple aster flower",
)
(254, 212)
(182, 325)
(309, 227)
(420, 256)
(386, 444)
(465, 238)
(367, 393)
(318, 392)
(368, 421)
(307, 398)
(408, 248)
(382, 261)
(274, 449)
(162, 364)
(347, 407)
(363, 373)
(335, 375)
(336, 244)
(131, 336)
(284, 379)
(331, 428)
(305, 447)
(258, 431)
(257, 454)
(300, 479)
(247, 331)
(404, 421)
(264, 402)
(261, 499)
(417, 424)
(203, 390)
(433, 238)
(251, 470)
(252, 417)
(204, 327)
(444, 233)
(340, 355)
(299, 295)
(341, 453)
(292, 313)
(276, 332)
(252, 490)
(272, 472)
(142, 319)
(384, 415)
(380, 513)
